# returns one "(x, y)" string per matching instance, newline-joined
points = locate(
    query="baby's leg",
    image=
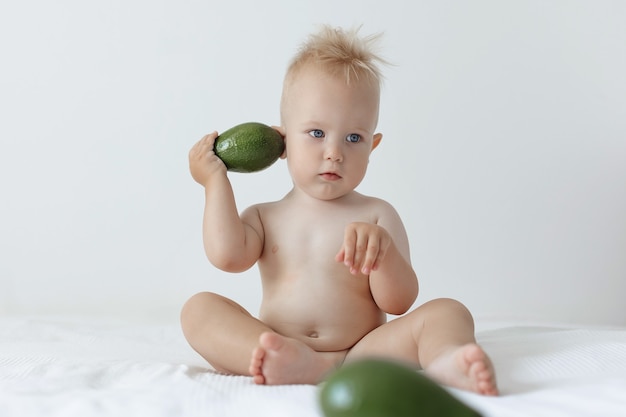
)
(235, 342)
(439, 337)
(221, 331)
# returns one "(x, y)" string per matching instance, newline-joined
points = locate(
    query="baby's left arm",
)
(381, 251)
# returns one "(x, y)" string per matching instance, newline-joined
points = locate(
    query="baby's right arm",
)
(229, 243)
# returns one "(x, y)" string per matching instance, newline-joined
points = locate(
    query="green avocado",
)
(384, 388)
(249, 147)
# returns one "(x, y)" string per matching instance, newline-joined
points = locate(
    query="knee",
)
(196, 301)
(449, 305)
(193, 310)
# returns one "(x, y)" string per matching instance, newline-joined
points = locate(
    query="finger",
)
(340, 255)
(360, 253)
(382, 251)
(371, 256)
(349, 242)
(209, 140)
(204, 142)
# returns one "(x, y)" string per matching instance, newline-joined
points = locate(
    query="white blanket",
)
(87, 367)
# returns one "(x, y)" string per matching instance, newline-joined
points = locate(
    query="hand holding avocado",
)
(249, 147)
(202, 159)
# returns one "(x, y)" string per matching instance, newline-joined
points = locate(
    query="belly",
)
(324, 322)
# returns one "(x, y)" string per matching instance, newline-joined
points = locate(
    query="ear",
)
(281, 130)
(377, 138)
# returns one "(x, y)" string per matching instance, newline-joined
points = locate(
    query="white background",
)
(504, 147)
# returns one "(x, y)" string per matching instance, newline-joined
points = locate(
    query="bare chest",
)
(306, 239)
(313, 243)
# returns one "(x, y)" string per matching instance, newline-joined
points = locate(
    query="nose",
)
(333, 152)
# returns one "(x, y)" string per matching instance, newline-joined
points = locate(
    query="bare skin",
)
(333, 262)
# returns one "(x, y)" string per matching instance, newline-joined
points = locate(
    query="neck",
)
(307, 200)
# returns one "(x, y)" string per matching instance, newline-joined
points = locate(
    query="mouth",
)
(330, 176)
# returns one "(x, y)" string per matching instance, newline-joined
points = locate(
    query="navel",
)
(313, 334)
(274, 248)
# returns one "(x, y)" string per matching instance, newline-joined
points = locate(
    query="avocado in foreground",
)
(249, 147)
(384, 388)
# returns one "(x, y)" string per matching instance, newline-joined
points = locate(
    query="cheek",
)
(298, 159)
(361, 159)
(300, 150)
(294, 154)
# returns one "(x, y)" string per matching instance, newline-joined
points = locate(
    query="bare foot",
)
(280, 360)
(466, 367)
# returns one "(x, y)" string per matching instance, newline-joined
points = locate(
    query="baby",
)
(333, 262)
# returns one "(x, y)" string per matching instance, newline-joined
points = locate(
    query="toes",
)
(256, 363)
(484, 387)
(259, 379)
(487, 388)
(258, 354)
(256, 360)
(480, 371)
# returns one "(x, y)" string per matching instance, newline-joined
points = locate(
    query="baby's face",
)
(329, 129)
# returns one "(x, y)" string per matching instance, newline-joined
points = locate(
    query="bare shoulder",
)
(259, 208)
(257, 213)
(385, 211)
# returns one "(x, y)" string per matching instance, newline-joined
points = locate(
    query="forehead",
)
(313, 84)
(315, 95)
(317, 76)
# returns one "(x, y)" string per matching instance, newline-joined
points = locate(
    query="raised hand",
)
(364, 247)
(202, 159)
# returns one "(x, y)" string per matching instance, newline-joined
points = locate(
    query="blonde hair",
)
(338, 52)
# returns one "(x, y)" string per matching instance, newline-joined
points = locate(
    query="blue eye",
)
(317, 133)
(353, 138)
